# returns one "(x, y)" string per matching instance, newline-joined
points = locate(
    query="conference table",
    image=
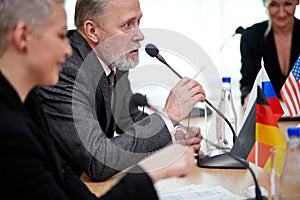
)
(234, 180)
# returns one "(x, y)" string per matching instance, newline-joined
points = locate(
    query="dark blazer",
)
(254, 47)
(79, 112)
(30, 165)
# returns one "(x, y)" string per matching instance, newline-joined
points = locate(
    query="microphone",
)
(240, 161)
(153, 51)
(219, 161)
(141, 100)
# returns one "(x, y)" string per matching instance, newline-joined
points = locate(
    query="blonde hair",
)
(267, 4)
(32, 12)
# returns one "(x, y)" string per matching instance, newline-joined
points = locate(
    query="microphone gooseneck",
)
(223, 117)
(141, 100)
(153, 51)
(258, 195)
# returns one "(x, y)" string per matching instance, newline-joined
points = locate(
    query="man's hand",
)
(189, 136)
(182, 98)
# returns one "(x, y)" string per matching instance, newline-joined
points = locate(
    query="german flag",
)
(267, 134)
(260, 133)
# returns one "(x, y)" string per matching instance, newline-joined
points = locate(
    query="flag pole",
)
(256, 143)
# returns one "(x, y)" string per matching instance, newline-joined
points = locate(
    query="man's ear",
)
(20, 36)
(91, 31)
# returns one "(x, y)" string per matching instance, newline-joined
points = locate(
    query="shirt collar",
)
(106, 69)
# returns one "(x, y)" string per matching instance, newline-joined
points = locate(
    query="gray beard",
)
(121, 62)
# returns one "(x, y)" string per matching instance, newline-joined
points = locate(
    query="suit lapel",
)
(94, 69)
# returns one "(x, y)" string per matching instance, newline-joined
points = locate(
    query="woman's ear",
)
(91, 31)
(20, 36)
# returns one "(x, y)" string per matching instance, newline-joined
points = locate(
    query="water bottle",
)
(223, 132)
(289, 182)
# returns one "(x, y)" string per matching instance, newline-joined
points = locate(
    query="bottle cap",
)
(293, 131)
(226, 79)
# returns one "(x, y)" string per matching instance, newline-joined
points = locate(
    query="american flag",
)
(290, 91)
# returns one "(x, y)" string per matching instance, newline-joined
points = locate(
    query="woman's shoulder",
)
(255, 32)
(257, 28)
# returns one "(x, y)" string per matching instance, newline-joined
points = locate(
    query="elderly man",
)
(92, 99)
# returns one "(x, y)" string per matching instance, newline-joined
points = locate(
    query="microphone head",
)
(151, 50)
(139, 99)
(239, 30)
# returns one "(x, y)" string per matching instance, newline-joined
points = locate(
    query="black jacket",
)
(78, 111)
(254, 47)
(30, 165)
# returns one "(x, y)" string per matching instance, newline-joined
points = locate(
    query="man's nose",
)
(138, 35)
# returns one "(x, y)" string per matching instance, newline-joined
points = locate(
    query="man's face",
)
(120, 33)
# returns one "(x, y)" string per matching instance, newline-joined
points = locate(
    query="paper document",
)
(199, 192)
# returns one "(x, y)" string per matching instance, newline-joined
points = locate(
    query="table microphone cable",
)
(141, 100)
(153, 51)
(258, 195)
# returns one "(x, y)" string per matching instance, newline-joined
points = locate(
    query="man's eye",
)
(127, 25)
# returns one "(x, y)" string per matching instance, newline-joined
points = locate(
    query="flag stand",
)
(250, 191)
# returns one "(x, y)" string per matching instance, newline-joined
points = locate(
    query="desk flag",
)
(272, 99)
(290, 91)
(262, 80)
(267, 135)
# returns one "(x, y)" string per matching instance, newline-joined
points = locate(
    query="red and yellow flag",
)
(267, 135)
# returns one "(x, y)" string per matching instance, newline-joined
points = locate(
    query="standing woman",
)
(276, 41)
(33, 46)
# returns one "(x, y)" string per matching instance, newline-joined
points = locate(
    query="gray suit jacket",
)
(78, 112)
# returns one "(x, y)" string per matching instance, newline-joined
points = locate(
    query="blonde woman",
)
(276, 41)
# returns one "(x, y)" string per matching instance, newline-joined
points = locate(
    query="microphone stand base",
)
(222, 161)
(250, 193)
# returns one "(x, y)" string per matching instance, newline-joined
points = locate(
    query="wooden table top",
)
(234, 180)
